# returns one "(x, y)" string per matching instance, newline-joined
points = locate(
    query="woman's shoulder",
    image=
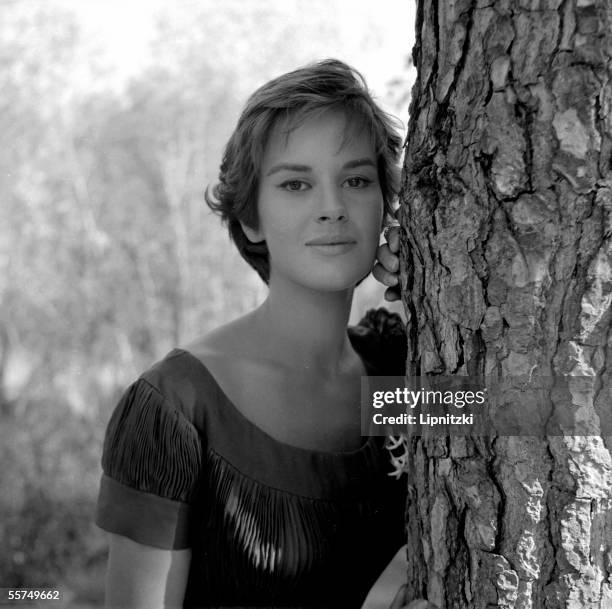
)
(380, 339)
(185, 376)
(175, 379)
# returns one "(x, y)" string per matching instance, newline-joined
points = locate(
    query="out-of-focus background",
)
(113, 117)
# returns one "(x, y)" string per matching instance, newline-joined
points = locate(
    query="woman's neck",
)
(305, 328)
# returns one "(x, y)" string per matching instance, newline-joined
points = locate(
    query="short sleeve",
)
(151, 462)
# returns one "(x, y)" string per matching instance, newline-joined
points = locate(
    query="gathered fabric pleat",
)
(151, 446)
(275, 547)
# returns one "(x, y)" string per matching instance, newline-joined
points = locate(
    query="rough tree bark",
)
(507, 270)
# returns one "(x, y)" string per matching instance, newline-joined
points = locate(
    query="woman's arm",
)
(142, 577)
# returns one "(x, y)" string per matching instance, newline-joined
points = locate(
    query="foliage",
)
(50, 474)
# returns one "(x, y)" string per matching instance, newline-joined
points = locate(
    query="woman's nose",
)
(332, 208)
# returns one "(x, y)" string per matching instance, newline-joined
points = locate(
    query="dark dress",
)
(268, 524)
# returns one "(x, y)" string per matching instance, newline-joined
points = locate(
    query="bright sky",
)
(121, 30)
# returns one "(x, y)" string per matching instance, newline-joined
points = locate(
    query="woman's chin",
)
(324, 276)
(336, 282)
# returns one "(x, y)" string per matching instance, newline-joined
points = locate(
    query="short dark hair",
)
(296, 97)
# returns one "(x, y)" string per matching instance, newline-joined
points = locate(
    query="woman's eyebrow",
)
(307, 168)
(359, 163)
(288, 167)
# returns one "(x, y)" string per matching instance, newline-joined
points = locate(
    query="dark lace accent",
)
(151, 446)
(383, 322)
(380, 337)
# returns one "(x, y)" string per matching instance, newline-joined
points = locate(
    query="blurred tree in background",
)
(108, 255)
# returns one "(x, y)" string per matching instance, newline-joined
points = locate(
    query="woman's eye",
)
(294, 185)
(357, 182)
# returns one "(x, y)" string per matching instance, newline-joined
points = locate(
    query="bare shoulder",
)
(228, 354)
(229, 340)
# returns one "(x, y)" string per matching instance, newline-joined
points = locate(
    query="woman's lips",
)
(332, 240)
(333, 248)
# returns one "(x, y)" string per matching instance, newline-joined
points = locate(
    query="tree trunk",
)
(506, 271)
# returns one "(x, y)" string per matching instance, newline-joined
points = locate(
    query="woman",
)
(234, 470)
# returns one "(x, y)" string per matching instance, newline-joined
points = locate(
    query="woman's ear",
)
(252, 234)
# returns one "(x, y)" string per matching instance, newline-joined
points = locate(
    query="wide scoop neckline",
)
(323, 454)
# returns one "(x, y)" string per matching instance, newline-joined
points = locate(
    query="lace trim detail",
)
(381, 339)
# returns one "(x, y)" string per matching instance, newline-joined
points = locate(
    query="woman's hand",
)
(399, 601)
(386, 269)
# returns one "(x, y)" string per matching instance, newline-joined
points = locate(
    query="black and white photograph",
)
(306, 304)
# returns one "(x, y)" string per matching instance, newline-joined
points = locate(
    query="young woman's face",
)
(320, 204)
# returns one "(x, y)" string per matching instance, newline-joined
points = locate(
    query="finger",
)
(392, 294)
(398, 601)
(387, 258)
(384, 276)
(393, 238)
